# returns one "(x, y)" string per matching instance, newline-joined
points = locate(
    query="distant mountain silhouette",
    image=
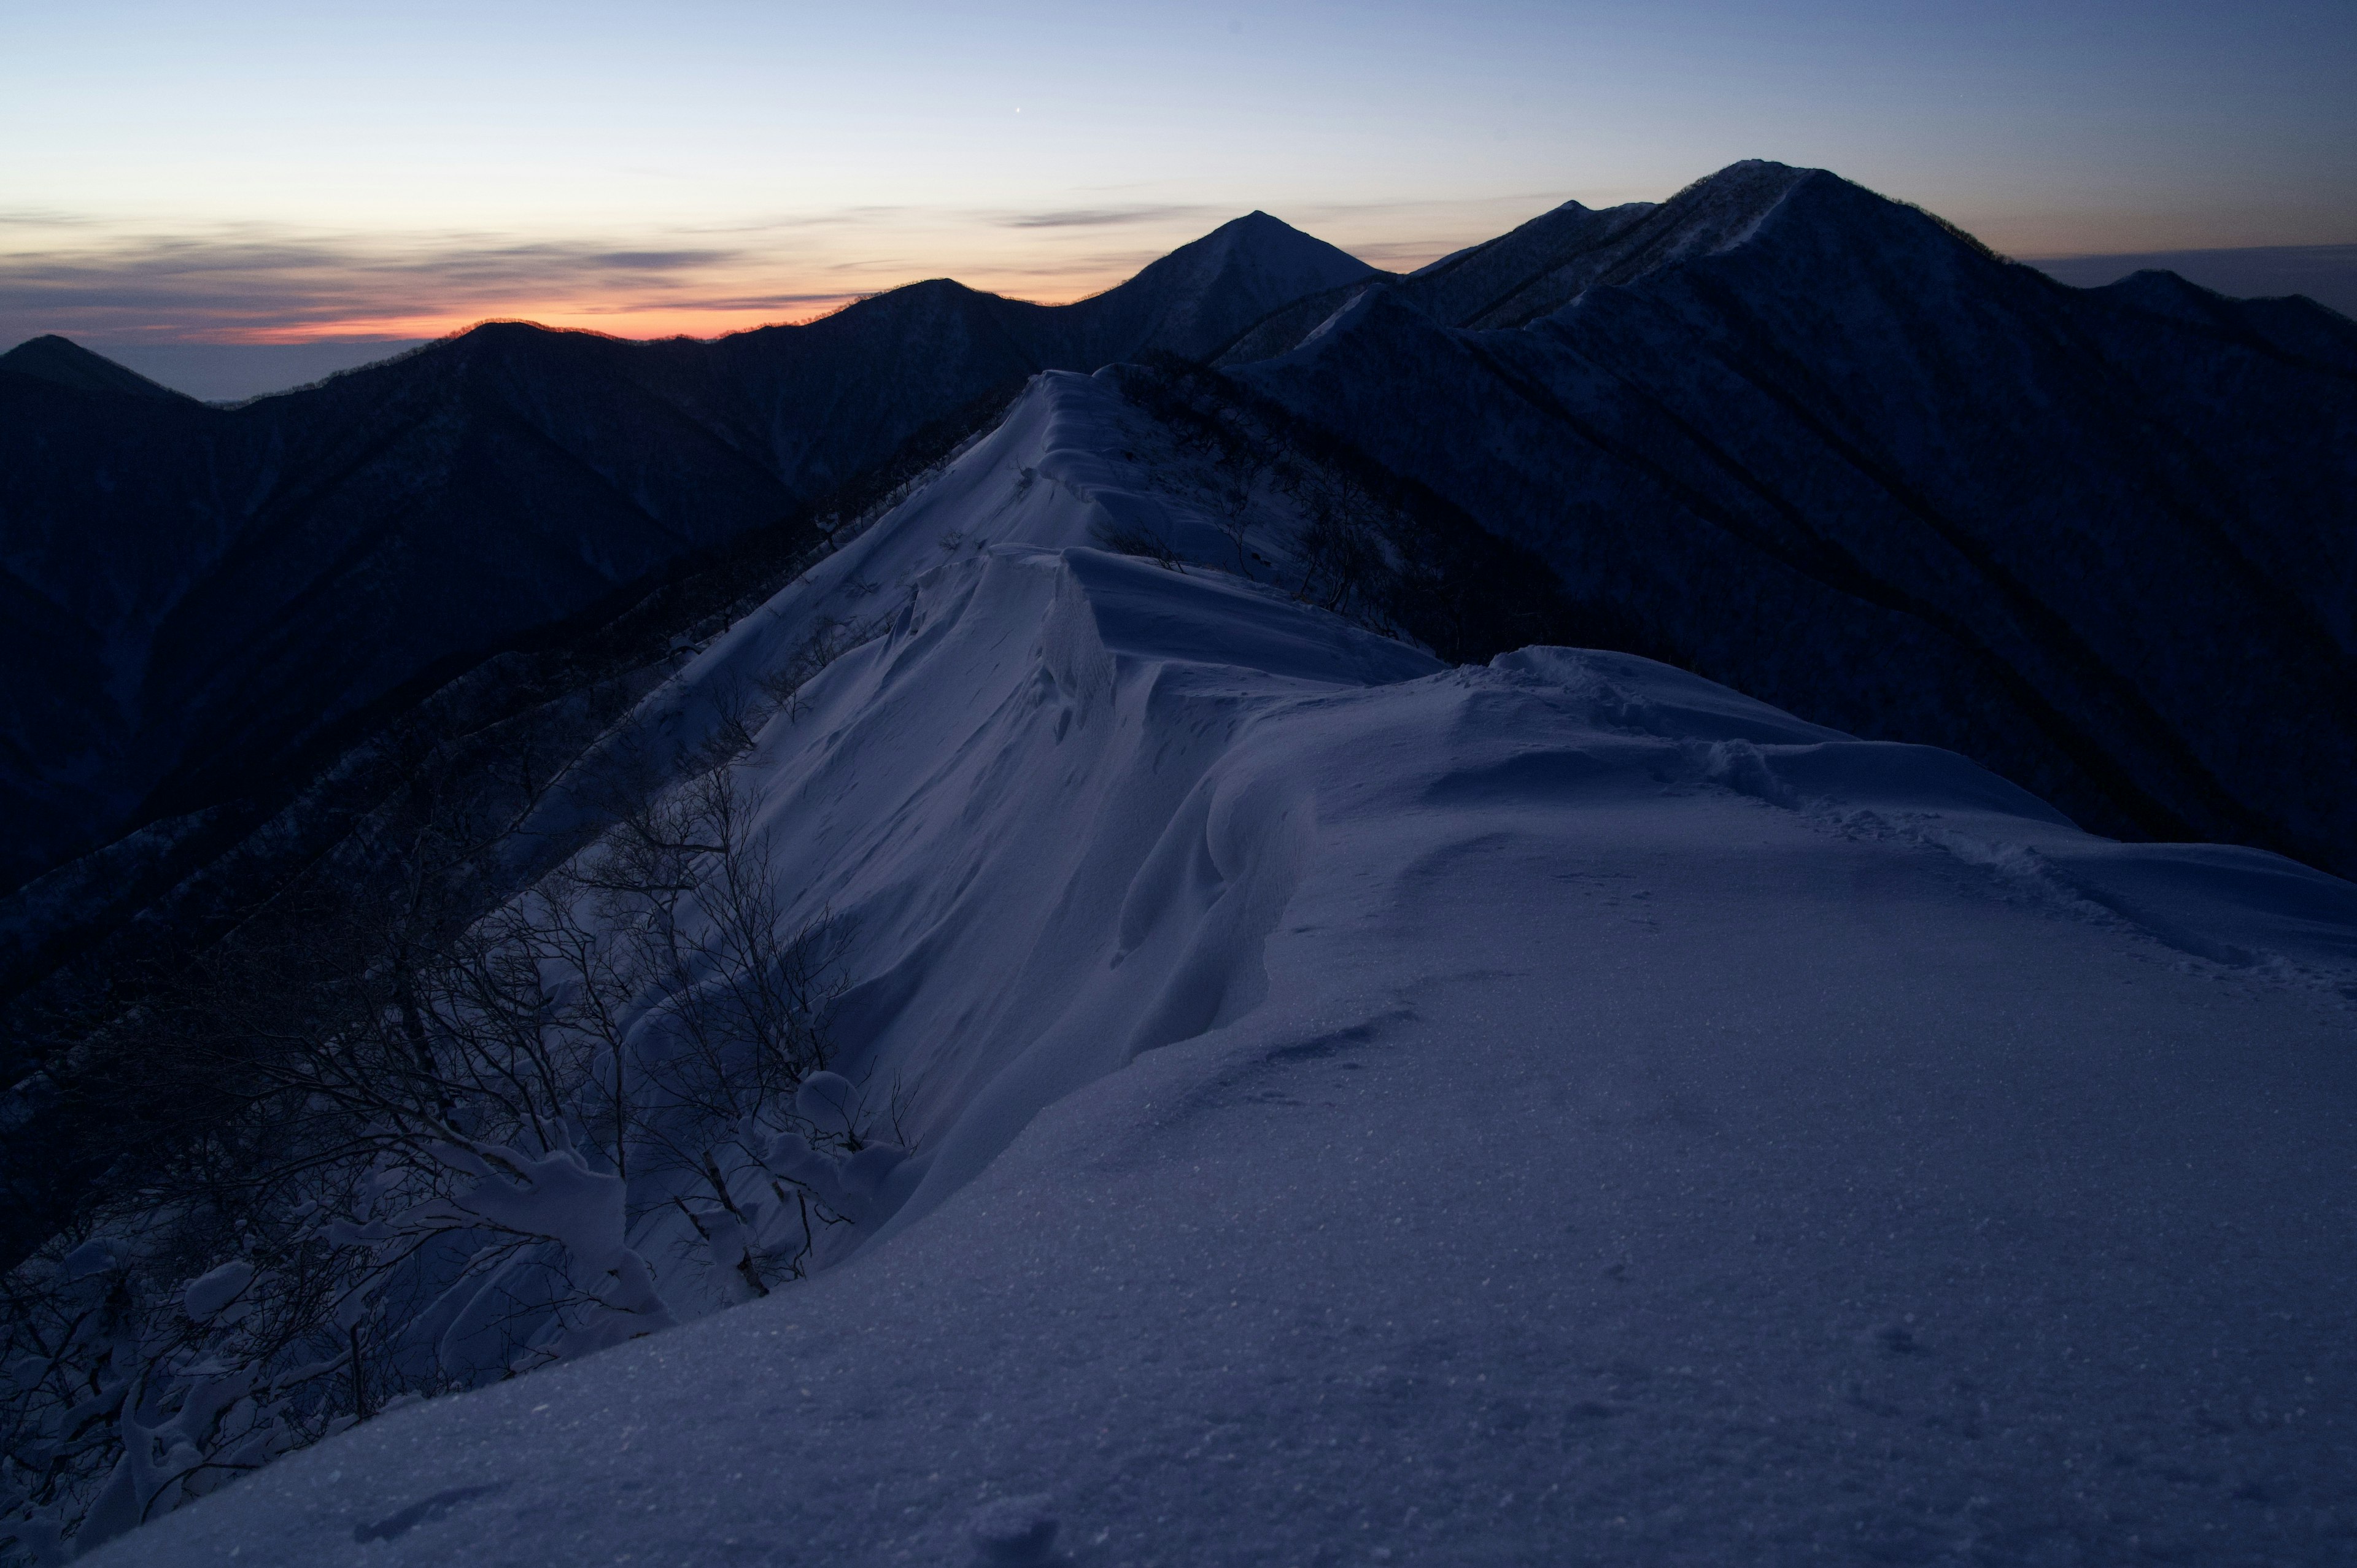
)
(1823, 448)
(2325, 274)
(63, 362)
(193, 597)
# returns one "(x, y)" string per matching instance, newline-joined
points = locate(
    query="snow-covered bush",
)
(827, 641)
(451, 1161)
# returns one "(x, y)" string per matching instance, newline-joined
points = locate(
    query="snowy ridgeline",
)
(1369, 1110)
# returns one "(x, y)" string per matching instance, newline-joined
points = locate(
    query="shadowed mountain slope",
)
(196, 598)
(1822, 446)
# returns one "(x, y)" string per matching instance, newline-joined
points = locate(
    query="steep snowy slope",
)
(1815, 444)
(1374, 1112)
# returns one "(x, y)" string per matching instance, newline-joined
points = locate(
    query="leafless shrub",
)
(827, 641)
(441, 1146)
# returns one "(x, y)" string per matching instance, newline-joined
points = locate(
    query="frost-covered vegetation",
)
(401, 1106)
(451, 1162)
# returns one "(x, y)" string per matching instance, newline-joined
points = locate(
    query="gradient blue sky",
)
(274, 172)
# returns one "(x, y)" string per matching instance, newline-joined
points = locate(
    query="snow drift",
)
(1373, 1111)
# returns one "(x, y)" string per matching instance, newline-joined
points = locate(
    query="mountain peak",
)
(1264, 226)
(64, 362)
(1197, 299)
(1270, 246)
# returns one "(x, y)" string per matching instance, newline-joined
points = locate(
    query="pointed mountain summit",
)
(1258, 259)
(63, 362)
(1198, 298)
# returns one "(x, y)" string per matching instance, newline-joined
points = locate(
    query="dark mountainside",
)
(201, 603)
(1821, 446)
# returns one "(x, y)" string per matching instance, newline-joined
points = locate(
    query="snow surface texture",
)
(1373, 1111)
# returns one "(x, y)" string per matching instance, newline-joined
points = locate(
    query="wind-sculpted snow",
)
(1369, 1110)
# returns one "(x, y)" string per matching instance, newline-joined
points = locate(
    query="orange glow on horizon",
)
(638, 324)
(641, 324)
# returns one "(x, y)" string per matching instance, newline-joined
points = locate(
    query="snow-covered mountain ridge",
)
(1372, 1111)
(1819, 444)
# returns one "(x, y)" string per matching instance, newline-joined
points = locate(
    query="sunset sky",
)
(262, 172)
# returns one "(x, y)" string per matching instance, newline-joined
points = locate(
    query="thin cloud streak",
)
(247, 287)
(1101, 217)
(260, 283)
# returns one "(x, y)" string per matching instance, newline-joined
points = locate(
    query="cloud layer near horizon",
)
(262, 283)
(259, 284)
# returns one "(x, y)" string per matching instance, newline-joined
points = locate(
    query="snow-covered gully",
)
(1368, 1111)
